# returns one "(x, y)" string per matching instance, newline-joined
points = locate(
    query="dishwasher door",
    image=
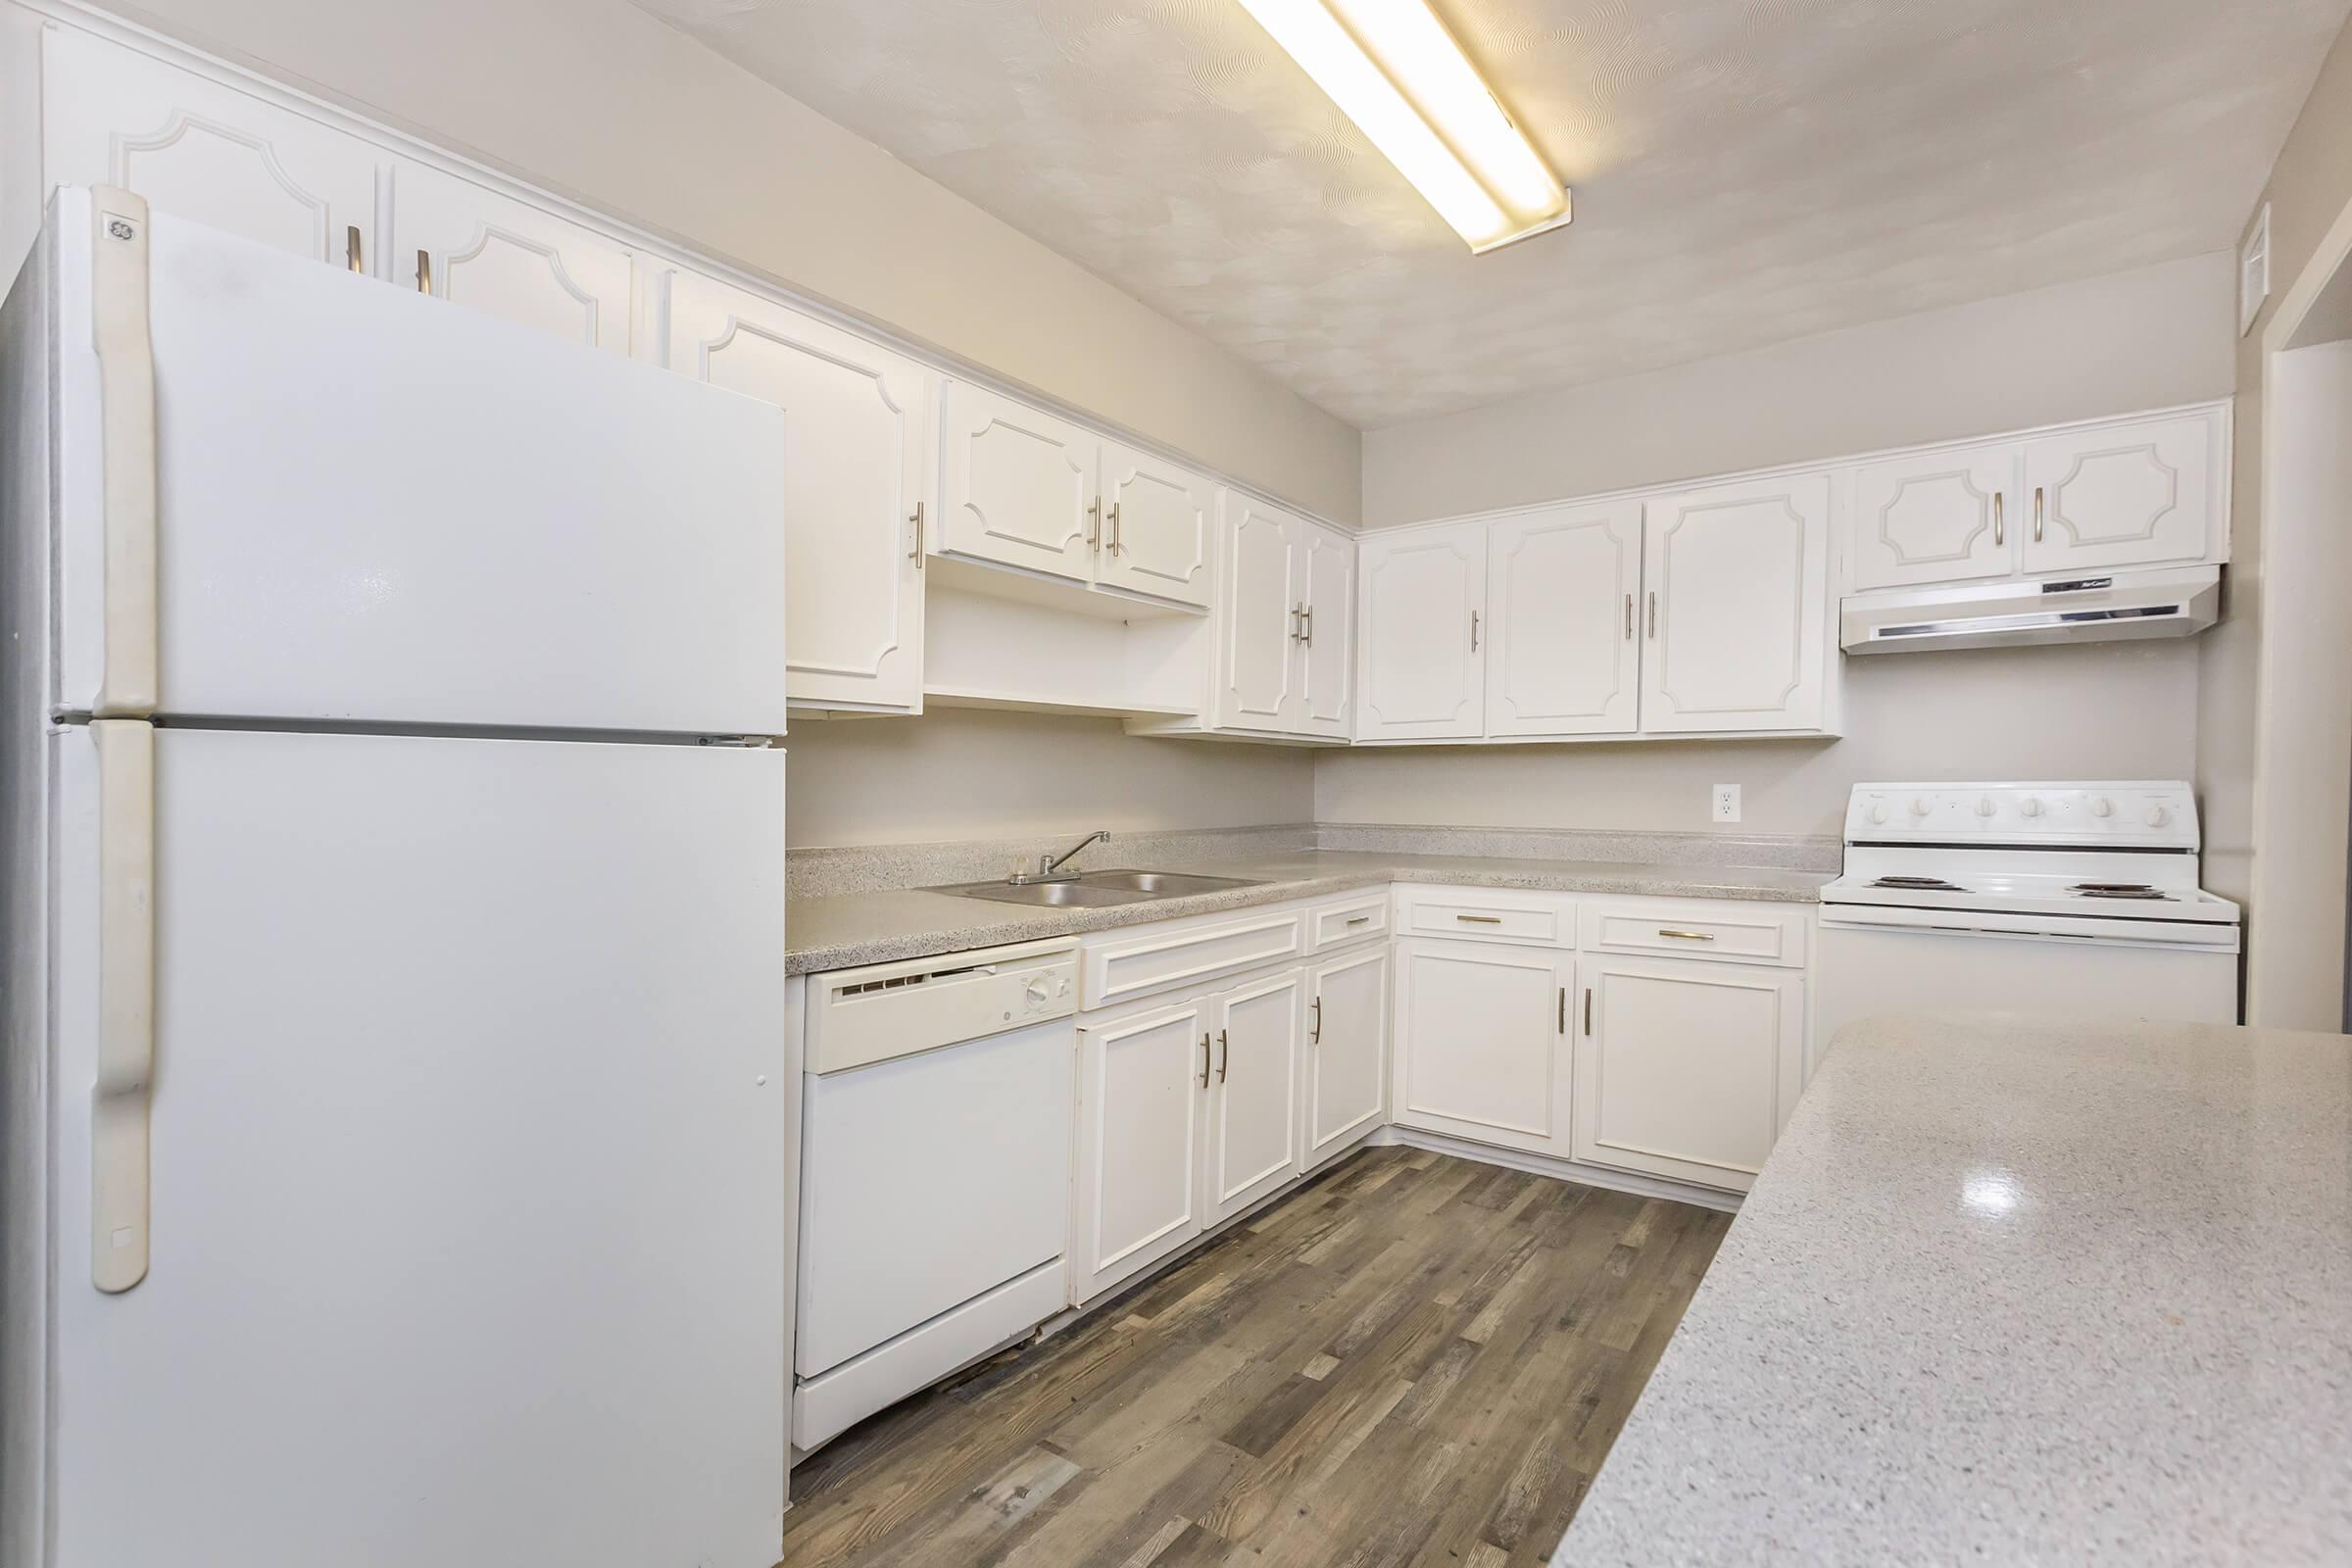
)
(927, 1181)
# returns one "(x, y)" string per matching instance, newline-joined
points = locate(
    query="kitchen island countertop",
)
(855, 928)
(2014, 1291)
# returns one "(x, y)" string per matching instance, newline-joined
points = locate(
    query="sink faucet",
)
(1047, 864)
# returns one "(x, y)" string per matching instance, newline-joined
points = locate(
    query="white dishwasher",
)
(935, 1171)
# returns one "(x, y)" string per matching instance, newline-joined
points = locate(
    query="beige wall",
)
(2110, 345)
(2142, 339)
(2117, 710)
(968, 774)
(599, 101)
(2310, 186)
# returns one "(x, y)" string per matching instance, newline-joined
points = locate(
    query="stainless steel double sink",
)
(1094, 889)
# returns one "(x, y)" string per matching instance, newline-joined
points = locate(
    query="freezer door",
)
(468, 1161)
(378, 506)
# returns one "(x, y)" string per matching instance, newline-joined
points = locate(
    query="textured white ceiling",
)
(1746, 171)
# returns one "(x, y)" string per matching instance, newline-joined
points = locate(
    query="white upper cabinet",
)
(1156, 529)
(1939, 516)
(1257, 684)
(456, 240)
(860, 455)
(1325, 562)
(1019, 486)
(1422, 622)
(202, 151)
(1735, 605)
(2123, 495)
(1562, 655)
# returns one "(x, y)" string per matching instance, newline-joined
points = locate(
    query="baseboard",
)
(1564, 1170)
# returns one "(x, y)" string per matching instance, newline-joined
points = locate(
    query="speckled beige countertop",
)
(2016, 1290)
(854, 928)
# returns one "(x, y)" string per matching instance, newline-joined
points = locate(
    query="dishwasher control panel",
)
(858, 1017)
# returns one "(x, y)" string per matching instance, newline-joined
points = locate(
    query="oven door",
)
(1867, 970)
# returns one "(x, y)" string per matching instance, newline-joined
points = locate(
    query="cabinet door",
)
(1482, 1046)
(1253, 1144)
(1326, 572)
(1422, 620)
(1019, 486)
(456, 240)
(858, 453)
(1686, 1071)
(1735, 589)
(1347, 1050)
(1156, 533)
(1561, 589)
(1945, 516)
(1139, 1188)
(198, 150)
(1259, 603)
(2123, 495)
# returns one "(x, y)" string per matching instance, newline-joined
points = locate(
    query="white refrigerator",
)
(395, 1144)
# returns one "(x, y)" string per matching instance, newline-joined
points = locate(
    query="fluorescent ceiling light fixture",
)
(1393, 67)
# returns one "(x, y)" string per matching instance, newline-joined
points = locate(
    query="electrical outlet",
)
(1727, 803)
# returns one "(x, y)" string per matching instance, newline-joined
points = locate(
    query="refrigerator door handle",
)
(126, 682)
(120, 1099)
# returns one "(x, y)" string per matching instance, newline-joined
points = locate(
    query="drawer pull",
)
(1360, 919)
(1687, 936)
(1481, 919)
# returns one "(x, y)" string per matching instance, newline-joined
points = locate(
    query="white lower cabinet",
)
(1686, 1070)
(1344, 1084)
(1482, 1042)
(1188, 1113)
(1136, 1191)
(1254, 1097)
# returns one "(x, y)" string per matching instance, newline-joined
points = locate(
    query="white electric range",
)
(2040, 896)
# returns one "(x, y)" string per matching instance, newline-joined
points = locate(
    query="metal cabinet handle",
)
(1996, 520)
(1093, 522)
(1687, 936)
(351, 249)
(1474, 631)
(916, 554)
(1117, 547)
(1563, 1009)
(1588, 1011)
(1205, 1059)
(2037, 514)
(1361, 919)
(1307, 635)
(1629, 617)
(1654, 617)
(424, 271)
(1297, 611)
(1224, 1054)
(1481, 919)
(1317, 1037)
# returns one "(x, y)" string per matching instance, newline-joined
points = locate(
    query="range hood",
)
(2169, 601)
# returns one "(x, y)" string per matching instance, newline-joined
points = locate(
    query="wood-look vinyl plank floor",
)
(1412, 1359)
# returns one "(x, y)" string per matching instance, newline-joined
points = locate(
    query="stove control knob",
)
(1877, 814)
(2157, 817)
(2029, 806)
(1984, 805)
(1919, 805)
(2101, 805)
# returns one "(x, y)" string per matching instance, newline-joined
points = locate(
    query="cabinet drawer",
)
(1716, 932)
(1351, 920)
(1484, 915)
(1137, 963)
